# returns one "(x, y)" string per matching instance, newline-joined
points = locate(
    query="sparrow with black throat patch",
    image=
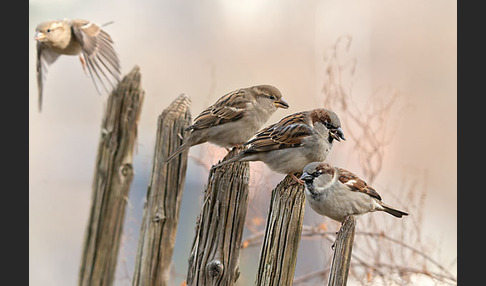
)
(295, 141)
(337, 193)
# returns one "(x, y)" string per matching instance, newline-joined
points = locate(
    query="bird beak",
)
(337, 134)
(39, 36)
(281, 104)
(307, 177)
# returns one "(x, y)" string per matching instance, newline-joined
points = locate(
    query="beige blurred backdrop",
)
(207, 48)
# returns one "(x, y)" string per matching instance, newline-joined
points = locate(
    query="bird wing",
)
(287, 133)
(228, 108)
(355, 184)
(45, 57)
(98, 53)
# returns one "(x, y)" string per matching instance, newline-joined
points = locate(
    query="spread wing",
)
(288, 132)
(228, 108)
(98, 53)
(45, 58)
(356, 184)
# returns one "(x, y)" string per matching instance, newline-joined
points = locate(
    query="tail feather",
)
(393, 211)
(227, 161)
(179, 150)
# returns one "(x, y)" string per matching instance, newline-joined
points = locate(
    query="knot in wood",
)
(215, 268)
(158, 217)
(126, 170)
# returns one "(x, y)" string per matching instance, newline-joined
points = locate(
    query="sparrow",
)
(338, 193)
(77, 37)
(234, 118)
(296, 140)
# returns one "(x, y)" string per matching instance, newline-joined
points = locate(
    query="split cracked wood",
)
(112, 180)
(283, 228)
(215, 250)
(343, 247)
(164, 194)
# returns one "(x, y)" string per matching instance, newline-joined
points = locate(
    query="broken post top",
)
(179, 106)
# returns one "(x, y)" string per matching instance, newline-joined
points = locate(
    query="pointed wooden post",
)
(343, 247)
(161, 212)
(278, 255)
(112, 180)
(215, 251)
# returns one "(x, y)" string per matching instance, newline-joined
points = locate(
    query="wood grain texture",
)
(215, 250)
(112, 180)
(343, 247)
(283, 228)
(164, 194)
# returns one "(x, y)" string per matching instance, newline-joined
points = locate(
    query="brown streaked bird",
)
(338, 193)
(77, 37)
(293, 142)
(234, 118)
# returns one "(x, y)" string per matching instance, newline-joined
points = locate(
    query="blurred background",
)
(393, 59)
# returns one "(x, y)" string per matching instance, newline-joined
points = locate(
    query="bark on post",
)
(342, 253)
(215, 251)
(112, 180)
(161, 212)
(283, 228)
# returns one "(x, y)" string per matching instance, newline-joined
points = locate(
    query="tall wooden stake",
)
(112, 180)
(161, 212)
(278, 255)
(215, 251)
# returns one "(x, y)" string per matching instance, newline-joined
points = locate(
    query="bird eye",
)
(272, 97)
(317, 173)
(328, 125)
(48, 30)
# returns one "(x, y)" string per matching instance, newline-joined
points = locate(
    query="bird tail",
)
(179, 150)
(233, 159)
(40, 102)
(393, 211)
(107, 23)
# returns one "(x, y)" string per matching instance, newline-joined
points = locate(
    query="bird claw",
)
(83, 64)
(296, 180)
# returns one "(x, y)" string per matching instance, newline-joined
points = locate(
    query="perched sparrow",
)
(338, 193)
(295, 141)
(234, 118)
(77, 37)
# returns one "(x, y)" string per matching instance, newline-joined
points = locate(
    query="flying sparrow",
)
(295, 141)
(77, 37)
(338, 193)
(234, 118)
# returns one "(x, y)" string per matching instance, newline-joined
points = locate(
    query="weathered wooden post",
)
(342, 253)
(112, 180)
(283, 228)
(215, 251)
(161, 212)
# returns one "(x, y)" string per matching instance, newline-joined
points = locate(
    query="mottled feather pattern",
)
(337, 193)
(234, 118)
(288, 132)
(228, 108)
(356, 184)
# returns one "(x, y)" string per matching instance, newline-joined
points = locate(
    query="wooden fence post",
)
(283, 228)
(161, 211)
(112, 180)
(215, 250)
(342, 253)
